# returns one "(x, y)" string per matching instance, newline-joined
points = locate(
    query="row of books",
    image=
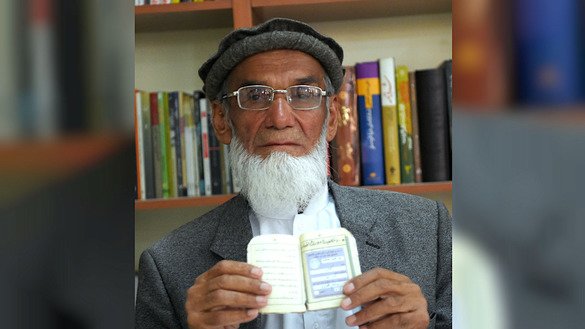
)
(177, 151)
(162, 2)
(394, 125)
(394, 128)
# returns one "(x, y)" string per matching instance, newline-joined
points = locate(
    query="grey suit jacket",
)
(404, 233)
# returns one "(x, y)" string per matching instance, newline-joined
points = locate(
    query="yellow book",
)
(306, 272)
(404, 125)
(390, 121)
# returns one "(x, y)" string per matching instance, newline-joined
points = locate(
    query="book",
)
(191, 148)
(176, 172)
(215, 159)
(370, 122)
(138, 148)
(433, 126)
(157, 140)
(482, 48)
(183, 110)
(306, 272)
(447, 67)
(203, 108)
(197, 96)
(415, 133)
(165, 144)
(345, 147)
(148, 168)
(549, 52)
(390, 121)
(404, 125)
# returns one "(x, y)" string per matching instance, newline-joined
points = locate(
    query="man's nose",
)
(280, 114)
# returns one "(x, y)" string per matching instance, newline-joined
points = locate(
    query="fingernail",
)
(345, 303)
(349, 287)
(261, 299)
(264, 286)
(252, 312)
(350, 320)
(256, 271)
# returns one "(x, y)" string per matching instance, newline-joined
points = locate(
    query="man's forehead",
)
(296, 66)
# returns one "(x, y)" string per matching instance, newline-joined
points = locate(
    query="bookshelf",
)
(173, 40)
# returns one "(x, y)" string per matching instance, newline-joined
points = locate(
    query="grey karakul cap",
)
(277, 33)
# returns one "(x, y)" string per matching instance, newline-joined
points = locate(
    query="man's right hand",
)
(226, 295)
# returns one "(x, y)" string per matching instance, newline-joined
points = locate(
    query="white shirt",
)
(320, 214)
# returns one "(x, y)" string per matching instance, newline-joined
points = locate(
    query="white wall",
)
(169, 60)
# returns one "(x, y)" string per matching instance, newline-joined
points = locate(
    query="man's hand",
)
(388, 300)
(226, 295)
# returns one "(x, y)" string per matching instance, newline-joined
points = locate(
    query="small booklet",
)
(306, 272)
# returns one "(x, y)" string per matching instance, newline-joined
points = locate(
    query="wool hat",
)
(277, 33)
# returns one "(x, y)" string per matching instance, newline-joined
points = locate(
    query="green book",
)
(163, 116)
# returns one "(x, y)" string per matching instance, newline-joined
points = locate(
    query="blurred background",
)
(67, 163)
(518, 141)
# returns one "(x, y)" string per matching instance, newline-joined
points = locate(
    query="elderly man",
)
(272, 90)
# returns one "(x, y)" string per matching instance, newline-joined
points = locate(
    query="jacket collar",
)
(233, 230)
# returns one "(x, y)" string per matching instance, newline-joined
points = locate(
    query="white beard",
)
(280, 183)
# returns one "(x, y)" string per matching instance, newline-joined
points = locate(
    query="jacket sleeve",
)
(443, 316)
(153, 305)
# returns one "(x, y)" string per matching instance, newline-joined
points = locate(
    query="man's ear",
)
(333, 117)
(220, 123)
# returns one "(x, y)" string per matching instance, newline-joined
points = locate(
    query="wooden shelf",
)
(221, 13)
(335, 10)
(63, 154)
(183, 16)
(215, 200)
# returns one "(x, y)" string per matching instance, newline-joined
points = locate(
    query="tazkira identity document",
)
(306, 272)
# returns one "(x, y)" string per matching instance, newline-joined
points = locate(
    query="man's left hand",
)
(387, 299)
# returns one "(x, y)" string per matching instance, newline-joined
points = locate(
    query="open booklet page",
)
(279, 257)
(330, 259)
(306, 272)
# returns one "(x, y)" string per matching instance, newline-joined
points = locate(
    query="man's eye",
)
(303, 93)
(256, 94)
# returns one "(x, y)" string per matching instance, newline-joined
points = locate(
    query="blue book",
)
(549, 58)
(370, 122)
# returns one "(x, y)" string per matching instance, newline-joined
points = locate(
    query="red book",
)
(345, 147)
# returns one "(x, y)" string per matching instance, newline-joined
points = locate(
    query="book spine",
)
(370, 122)
(447, 67)
(433, 126)
(415, 132)
(156, 145)
(190, 148)
(183, 104)
(147, 146)
(548, 51)
(163, 116)
(405, 125)
(175, 140)
(215, 158)
(200, 178)
(205, 145)
(138, 144)
(175, 147)
(390, 121)
(345, 147)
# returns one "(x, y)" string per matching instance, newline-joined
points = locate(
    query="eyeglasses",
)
(259, 97)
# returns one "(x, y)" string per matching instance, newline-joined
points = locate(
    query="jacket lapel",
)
(232, 237)
(233, 230)
(360, 221)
